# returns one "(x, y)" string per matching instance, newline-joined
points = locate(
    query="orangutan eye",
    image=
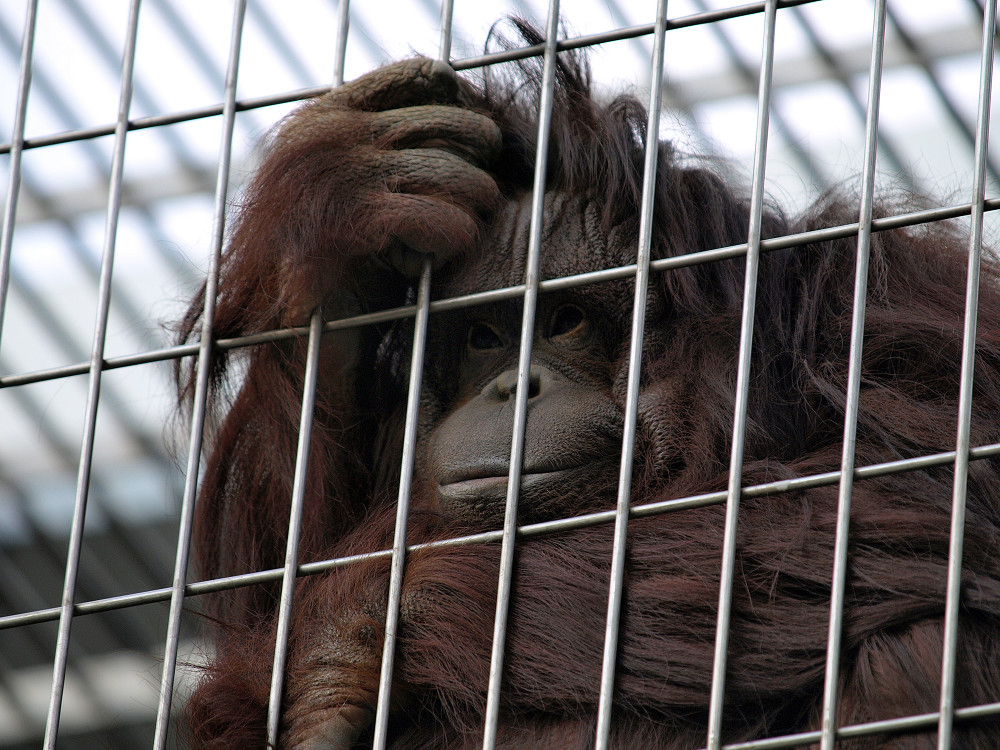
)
(567, 320)
(484, 338)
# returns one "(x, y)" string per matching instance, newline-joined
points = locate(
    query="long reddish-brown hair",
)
(908, 407)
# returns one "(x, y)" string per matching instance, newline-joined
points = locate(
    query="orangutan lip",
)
(496, 486)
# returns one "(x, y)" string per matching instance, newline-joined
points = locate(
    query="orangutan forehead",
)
(574, 240)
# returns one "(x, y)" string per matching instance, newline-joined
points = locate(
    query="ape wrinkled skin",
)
(414, 159)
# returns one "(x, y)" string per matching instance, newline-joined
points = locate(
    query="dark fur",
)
(899, 525)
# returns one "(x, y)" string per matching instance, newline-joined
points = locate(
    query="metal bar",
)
(887, 726)
(193, 48)
(382, 706)
(140, 123)
(42, 86)
(606, 695)
(523, 376)
(16, 147)
(289, 572)
(798, 239)
(808, 167)
(93, 395)
(155, 121)
(90, 29)
(646, 510)
(290, 569)
(949, 655)
(50, 96)
(848, 449)
(402, 508)
(842, 75)
(100, 576)
(447, 14)
(35, 301)
(943, 95)
(200, 405)
(340, 50)
(742, 386)
(631, 32)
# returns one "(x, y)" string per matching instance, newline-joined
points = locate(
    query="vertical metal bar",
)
(402, 507)
(954, 586)
(523, 377)
(94, 390)
(301, 459)
(294, 528)
(839, 582)
(447, 13)
(200, 405)
(340, 50)
(632, 394)
(742, 385)
(382, 706)
(16, 148)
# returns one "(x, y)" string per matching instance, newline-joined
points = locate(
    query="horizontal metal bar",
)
(242, 105)
(885, 726)
(528, 531)
(173, 118)
(784, 242)
(629, 32)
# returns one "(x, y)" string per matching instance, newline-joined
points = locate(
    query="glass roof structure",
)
(61, 75)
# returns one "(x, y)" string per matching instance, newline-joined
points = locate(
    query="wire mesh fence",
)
(96, 530)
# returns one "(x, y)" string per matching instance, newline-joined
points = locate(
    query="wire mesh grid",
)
(97, 606)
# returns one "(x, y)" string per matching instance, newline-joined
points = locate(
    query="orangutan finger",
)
(472, 135)
(432, 171)
(407, 83)
(338, 729)
(429, 225)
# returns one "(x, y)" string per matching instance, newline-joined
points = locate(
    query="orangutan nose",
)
(504, 386)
